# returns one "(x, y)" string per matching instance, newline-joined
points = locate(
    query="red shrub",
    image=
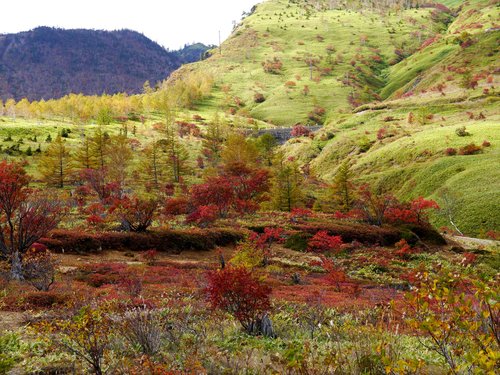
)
(486, 144)
(450, 151)
(203, 216)
(266, 239)
(175, 206)
(44, 299)
(403, 250)
(273, 66)
(150, 256)
(300, 131)
(300, 213)
(470, 149)
(468, 259)
(381, 133)
(322, 242)
(494, 235)
(136, 213)
(290, 84)
(334, 274)
(235, 291)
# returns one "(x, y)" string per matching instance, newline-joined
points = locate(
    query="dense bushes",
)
(171, 240)
(355, 232)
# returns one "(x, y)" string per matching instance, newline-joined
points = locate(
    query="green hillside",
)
(418, 74)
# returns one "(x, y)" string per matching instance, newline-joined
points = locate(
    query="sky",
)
(169, 23)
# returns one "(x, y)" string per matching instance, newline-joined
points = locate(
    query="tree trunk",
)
(16, 269)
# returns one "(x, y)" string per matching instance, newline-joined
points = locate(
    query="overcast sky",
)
(170, 23)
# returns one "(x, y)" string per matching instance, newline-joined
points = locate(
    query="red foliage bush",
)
(349, 232)
(414, 212)
(273, 66)
(403, 250)
(468, 259)
(322, 242)
(235, 291)
(300, 131)
(150, 256)
(136, 213)
(450, 151)
(203, 216)
(44, 299)
(334, 274)
(259, 98)
(166, 240)
(470, 149)
(486, 144)
(175, 206)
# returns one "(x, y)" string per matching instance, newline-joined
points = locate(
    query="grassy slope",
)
(284, 30)
(412, 162)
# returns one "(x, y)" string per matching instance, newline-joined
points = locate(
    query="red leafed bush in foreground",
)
(322, 242)
(235, 291)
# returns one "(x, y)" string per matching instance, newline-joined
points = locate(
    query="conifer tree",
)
(55, 164)
(287, 184)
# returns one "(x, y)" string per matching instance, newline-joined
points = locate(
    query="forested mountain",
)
(50, 63)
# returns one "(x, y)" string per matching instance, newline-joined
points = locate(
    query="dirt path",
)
(470, 243)
(10, 320)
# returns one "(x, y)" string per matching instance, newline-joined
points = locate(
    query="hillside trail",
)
(470, 243)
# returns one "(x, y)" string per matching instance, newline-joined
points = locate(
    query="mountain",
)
(392, 83)
(50, 63)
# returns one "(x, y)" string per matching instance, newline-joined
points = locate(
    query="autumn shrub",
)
(300, 131)
(70, 241)
(470, 149)
(150, 256)
(248, 255)
(203, 216)
(259, 98)
(87, 335)
(349, 232)
(317, 114)
(136, 214)
(236, 291)
(132, 286)
(39, 267)
(403, 249)
(175, 206)
(462, 132)
(461, 324)
(414, 212)
(322, 242)
(144, 328)
(334, 274)
(44, 300)
(290, 84)
(450, 151)
(486, 144)
(273, 66)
